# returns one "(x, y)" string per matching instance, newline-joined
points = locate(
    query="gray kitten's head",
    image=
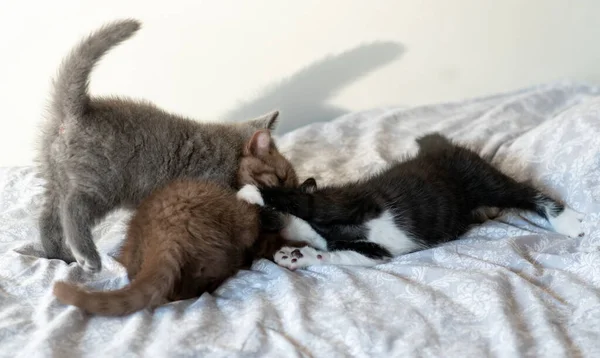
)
(262, 164)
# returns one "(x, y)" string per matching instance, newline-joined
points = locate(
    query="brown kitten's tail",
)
(70, 97)
(150, 287)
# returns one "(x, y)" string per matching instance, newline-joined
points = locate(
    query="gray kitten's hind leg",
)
(51, 233)
(79, 213)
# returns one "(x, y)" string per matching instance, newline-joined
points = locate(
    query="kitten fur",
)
(98, 154)
(185, 239)
(426, 200)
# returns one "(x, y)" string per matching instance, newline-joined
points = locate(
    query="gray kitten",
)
(101, 153)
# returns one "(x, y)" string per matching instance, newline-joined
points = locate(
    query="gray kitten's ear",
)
(260, 144)
(266, 121)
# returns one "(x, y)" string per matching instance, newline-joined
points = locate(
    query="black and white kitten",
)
(429, 199)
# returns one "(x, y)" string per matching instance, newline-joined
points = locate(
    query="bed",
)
(510, 287)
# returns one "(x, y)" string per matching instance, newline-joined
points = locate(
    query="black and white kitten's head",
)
(309, 186)
(274, 221)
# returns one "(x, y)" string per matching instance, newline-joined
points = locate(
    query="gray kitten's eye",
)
(268, 179)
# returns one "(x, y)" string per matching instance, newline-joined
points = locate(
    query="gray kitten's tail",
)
(70, 96)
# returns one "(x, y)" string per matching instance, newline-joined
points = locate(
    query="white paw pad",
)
(294, 258)
(250, 194)
(568, 222)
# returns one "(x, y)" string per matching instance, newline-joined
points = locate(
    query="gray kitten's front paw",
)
(90, 263)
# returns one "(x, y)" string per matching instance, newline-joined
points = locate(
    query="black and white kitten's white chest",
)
(380, 236)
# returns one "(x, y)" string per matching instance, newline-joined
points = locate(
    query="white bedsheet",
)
(510, 288)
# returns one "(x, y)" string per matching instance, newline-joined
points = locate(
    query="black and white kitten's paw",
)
(250, 194)
(485, 213)
(568, 222)
(294, 258)
(297, 229)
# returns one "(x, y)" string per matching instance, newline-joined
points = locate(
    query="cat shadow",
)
(302, 97)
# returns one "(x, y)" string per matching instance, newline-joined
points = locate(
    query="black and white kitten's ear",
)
(309, 186)
(260, 144)
(266, 121)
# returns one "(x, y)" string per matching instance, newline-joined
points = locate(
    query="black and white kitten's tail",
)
(70, 97)
(563, 219)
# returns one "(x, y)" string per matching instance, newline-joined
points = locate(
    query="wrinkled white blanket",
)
(510, 288)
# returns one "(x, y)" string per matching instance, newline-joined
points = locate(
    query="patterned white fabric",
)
(510, 288)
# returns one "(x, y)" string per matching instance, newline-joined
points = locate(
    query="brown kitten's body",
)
(190, 236)
(183, 240)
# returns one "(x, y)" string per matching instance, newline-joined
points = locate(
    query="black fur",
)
(271, 220)
(433, 197)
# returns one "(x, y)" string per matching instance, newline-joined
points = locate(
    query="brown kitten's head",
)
(263, 165)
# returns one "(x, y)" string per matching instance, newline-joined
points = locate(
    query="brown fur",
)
(189, 237)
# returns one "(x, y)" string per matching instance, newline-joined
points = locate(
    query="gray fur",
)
(101, 153)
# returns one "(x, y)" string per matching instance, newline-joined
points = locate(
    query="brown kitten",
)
(189, 237)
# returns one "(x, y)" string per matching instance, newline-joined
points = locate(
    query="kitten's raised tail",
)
(150, 287)
(70, 97)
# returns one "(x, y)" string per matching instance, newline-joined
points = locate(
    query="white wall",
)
(312, 59)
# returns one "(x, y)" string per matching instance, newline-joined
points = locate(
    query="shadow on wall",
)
(302, 98)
